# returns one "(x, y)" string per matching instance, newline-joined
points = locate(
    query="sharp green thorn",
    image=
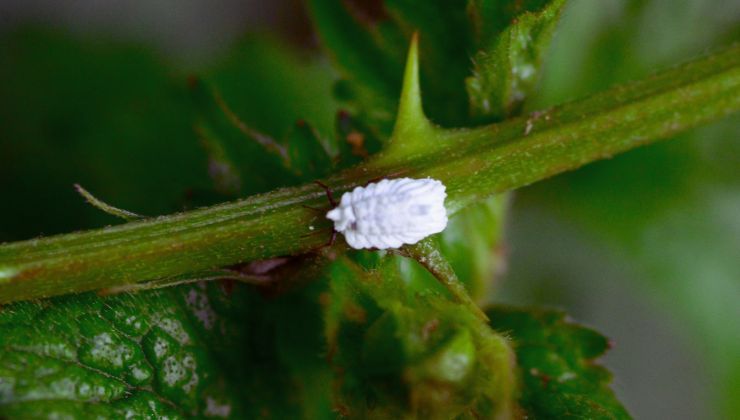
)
(412, 129)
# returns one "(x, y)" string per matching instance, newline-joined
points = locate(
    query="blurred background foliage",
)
(643, 247)
(651, 236)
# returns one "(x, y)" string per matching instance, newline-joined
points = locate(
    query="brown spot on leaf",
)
(357, 141)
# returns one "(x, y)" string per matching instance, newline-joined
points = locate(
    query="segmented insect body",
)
(390, 213)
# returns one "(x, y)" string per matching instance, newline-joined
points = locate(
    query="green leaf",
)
(471, 250)
(223, 171)
(404, 352)
(237, 152)
(556, 360)
(267, 123)
(473, 243)
(77, 110)
(367, 41)
(506, 70)
(308, 156)
(84, 350)
(428, 254)
(271, 86)
(355, 140)
(370, 51)
(446, 44)
(666, 211)
(185, 351)
(84, 112)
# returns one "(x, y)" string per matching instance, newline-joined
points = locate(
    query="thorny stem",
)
(473, 163)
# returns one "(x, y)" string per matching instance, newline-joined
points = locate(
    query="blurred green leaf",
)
(369, 51)
(506, 72)
(678, 231)
(271, 86)
(556, 359)
(355, 140)
(77, 111)
(83, 112)
(308, 156)
(665, 209)
(242, 160)
(403, 353)
(446, 43)
(427, 253)
(473, 242)
(473, 246)
(368, 41)
(267, 123)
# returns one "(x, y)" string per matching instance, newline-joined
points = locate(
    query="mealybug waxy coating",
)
(390, 213)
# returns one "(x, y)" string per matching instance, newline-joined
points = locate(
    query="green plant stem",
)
(473, 163)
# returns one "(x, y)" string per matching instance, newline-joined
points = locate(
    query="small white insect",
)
(390, 213)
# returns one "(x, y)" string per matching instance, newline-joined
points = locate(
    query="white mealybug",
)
(390, 213)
